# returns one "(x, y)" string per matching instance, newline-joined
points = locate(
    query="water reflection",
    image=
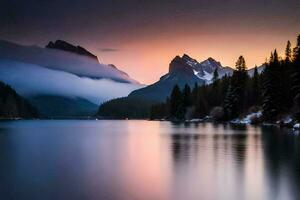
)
(281, 150)
(128, 160)
(262, 163)
(224, 164)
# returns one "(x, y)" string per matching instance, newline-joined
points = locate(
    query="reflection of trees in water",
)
(281, 154)
(184, 146)
(239, 147)
(224, 151)
(282, 158)
(234, 147)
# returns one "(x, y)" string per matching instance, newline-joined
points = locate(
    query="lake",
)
(146, 160)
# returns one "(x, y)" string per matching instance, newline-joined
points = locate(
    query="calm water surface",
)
(144, 160)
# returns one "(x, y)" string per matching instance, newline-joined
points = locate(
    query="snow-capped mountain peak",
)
(202, 70)
(183, 70)
(190, 61)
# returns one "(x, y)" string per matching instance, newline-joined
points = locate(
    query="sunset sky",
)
(142, 36)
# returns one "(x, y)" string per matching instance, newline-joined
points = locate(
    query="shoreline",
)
(294, 126)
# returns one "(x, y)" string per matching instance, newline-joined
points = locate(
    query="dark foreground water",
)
(143, 160)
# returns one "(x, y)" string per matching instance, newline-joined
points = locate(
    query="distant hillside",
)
(126, 107)
(63, 107)
(13, 105)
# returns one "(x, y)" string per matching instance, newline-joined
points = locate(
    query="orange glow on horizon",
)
(147, 58)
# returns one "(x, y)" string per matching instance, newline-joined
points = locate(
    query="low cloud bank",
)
(62, 61)
(30, 80)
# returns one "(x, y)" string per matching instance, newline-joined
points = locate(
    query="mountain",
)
(12, 105)
(65, 46)
(182, 70)
(50, 72)
(205, 69)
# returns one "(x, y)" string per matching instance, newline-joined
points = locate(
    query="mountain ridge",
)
(65, 46)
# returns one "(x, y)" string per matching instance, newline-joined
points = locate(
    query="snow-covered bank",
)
(248, 119)
(194, 120)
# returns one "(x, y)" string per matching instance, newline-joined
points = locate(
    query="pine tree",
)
(224, 86)
(187, 99)
(176, 103)
(288, 52)
(296, 80)
(202, 107)
(215, 75)
(195, 94)
(215, 90)
(296, 50)
(234, 102)
(286, 71)
(159, 111)
(229, 103)
(241, 64)
(271, 89)
(255, 88)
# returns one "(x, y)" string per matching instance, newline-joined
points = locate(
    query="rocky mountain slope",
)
(65, 46)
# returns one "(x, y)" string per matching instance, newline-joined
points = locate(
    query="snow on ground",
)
(287, 120)
(194, 120)
(247, 119)
(297, 126)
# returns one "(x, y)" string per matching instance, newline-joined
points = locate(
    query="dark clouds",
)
(43, 20)
(154, 31)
